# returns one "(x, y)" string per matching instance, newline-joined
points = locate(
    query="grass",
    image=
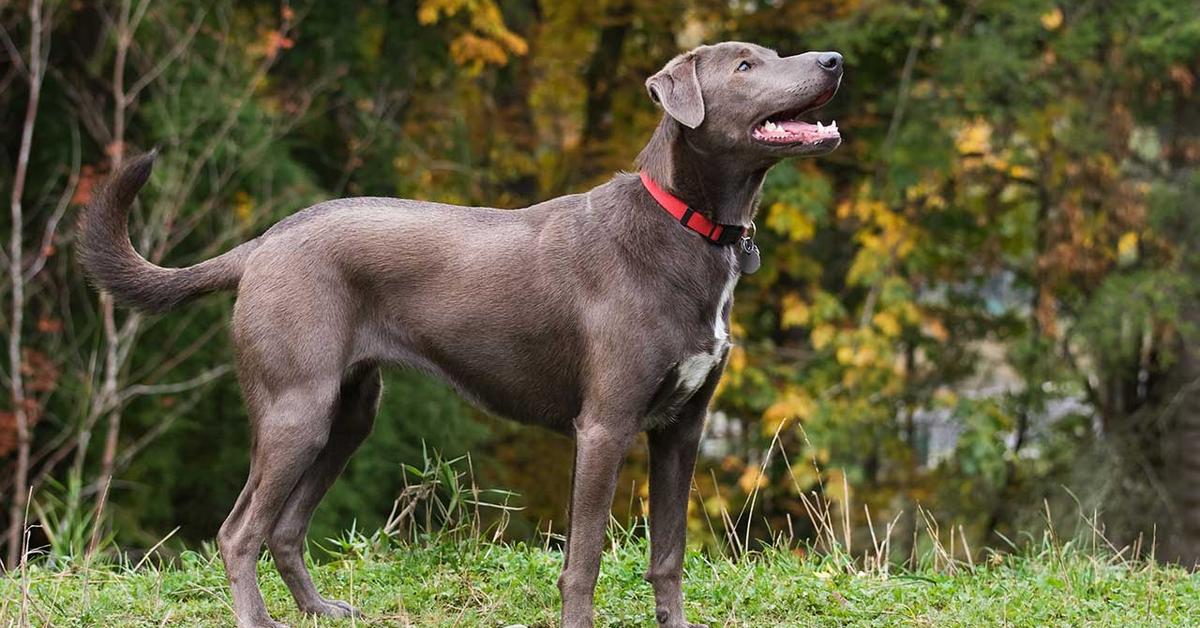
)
(477, 583)
(459, 575)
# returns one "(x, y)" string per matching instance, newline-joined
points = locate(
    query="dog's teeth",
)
(820, 127)
(833, 125)
(770, 126)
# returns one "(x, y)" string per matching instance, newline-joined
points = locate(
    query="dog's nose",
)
(831, 61)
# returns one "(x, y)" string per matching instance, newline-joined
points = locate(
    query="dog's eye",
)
(743, 66)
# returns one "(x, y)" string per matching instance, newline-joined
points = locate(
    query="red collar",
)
(714, 232)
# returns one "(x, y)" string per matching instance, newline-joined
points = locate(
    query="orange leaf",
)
(83, 189)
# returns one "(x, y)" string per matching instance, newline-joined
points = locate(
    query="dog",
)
(597, 315)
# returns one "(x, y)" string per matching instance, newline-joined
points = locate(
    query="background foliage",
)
(983, 303)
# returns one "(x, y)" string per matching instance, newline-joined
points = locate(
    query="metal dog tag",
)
(748, 253)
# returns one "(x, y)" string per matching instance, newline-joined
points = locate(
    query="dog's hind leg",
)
(291, 429)
(356, 408)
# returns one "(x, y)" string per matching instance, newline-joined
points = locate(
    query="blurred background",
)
(981, 309)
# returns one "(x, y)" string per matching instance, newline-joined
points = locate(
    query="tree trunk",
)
(600, 80)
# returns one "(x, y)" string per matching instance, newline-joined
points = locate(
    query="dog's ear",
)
(677, 89)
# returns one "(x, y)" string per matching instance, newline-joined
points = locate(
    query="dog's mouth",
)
(785, 128)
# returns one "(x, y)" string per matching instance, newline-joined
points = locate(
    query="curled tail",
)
(112, 264)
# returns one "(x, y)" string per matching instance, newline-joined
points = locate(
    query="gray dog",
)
(597, 315)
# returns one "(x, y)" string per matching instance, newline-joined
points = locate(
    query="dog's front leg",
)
(672, 461)
(601, 443)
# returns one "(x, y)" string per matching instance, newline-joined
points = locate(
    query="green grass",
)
(475, 583)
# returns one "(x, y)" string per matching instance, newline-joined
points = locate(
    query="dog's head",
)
(745, 99)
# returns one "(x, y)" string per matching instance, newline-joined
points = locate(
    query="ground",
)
(476, 583)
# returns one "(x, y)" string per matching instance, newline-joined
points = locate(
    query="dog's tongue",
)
(796, 131)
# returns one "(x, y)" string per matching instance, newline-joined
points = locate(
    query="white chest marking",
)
(719, 331)
(694, 369)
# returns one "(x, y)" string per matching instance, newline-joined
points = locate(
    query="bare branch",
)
(131, 451)
(64, 201)
(180, 47)
(9, 77)
(108, 392)
(175, 388)
(138, 14)
(36, 65)
(156, 371)
(13, 53)
(87, 107)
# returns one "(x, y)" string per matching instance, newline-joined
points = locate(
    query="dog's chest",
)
(695, 368)
(688, 374)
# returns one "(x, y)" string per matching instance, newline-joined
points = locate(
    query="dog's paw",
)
(262, 623)
(332, 608)
(666, 620)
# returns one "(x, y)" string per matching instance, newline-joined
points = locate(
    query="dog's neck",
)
(723, 188)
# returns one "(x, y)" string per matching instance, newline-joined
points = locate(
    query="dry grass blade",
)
(150, 552)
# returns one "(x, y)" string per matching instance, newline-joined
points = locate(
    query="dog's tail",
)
(112, 264)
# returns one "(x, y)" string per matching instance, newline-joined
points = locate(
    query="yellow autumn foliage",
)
(887, 324)
(863, 208)
(1127, 247)
(945, 397)
(792, 404)
(821, 336)
(752, 478)
(860, 356)
(793, 311)
(1052, 19)
(470, 48)
(488, 41)
(737, 359)
(790, 220)
(243, 207)
(974, 138)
